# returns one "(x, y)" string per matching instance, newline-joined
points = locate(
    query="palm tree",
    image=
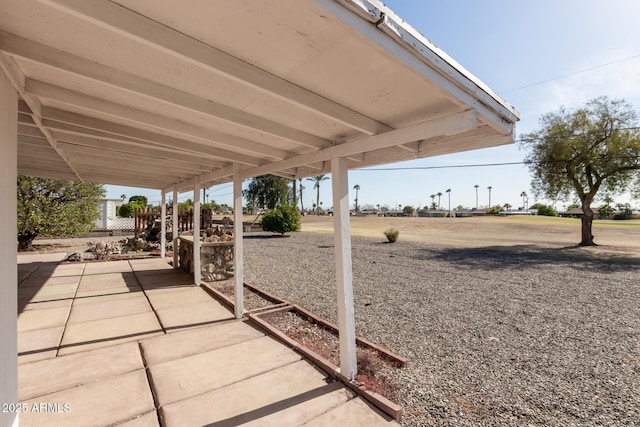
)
(433, 200)
(506, 206)
(317, 180)
(524, 197)
(357, 188)
(449, 194)
(476, 187)
(489, 188)
(439, 195)
(301, 203)
(123, 196)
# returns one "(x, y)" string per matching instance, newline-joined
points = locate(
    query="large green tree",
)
(55, 208)
(267, 191)
(595, 148)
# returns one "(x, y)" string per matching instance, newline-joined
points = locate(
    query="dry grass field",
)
(549, 232)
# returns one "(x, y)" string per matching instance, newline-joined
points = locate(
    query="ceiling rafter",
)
(52, 116)
(153, 121)
(448, 125)
(138, 148)
(74, 149)
(151, 33)
(112, 77)
(18, 80)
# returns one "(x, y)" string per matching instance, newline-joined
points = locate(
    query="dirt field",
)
(616, 236)
(504, 321)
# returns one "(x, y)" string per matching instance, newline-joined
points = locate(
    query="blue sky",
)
(539, 55)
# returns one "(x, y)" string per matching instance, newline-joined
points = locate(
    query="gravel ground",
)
(496, 335)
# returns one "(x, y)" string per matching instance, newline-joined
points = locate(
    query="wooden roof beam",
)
(161, 37)
(153, 121)
(112, 77)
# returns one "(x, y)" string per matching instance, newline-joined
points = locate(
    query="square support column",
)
(344, 276)
(163, 225)
(8, 251)
(197, 271)
(174, 224)
(237, 242)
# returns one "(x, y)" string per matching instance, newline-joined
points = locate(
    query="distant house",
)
(109, 220)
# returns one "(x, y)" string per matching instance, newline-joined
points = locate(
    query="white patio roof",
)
(151, 94)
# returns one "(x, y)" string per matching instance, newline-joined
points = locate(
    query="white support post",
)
(163, 225)
(174, 224)
(197, 271)
(237, 245)
(8, 251)
(344, 282)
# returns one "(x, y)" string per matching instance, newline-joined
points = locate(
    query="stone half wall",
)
(216, 259)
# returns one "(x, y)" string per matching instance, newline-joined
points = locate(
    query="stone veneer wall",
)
(216, 258)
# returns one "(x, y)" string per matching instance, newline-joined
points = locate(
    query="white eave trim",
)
(424, 49)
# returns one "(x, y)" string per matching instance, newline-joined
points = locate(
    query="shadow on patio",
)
(135, 343)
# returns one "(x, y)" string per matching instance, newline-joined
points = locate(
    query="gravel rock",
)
(521, 335)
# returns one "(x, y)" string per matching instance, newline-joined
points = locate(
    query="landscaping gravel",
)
(495, 335)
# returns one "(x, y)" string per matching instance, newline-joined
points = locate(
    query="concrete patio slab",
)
(107, 283)
(195, 341)
(52, 257)
(180, 379)
(307, 406)
(107, 267)
(125, 278)
(110, 355)
(95, 404)
(76, 369)
(42, 319)
(192, 315)
(48, 293)
(39, 344)
(250, 400)
(48, 281)
(46, 305)
(161, 279)
(150, 264)
(150, 419)
(104, 309)
(356, 412)
(91, 299)
(178, 296)
(60, 270)
(106, 332)
(114, 290)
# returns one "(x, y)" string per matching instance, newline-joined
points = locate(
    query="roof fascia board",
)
(392, 35)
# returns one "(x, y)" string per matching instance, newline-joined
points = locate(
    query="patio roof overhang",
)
(179, 95)
(152, 94)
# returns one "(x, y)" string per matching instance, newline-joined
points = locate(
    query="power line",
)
(478, 165)
(595, 67)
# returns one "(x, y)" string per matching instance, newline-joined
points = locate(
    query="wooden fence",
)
(185, 218)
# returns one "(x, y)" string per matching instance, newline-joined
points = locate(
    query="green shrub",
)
(281, 220)
(544, 210)
(624, 215)
(392, 235)
(126, 211)
(494, 210)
